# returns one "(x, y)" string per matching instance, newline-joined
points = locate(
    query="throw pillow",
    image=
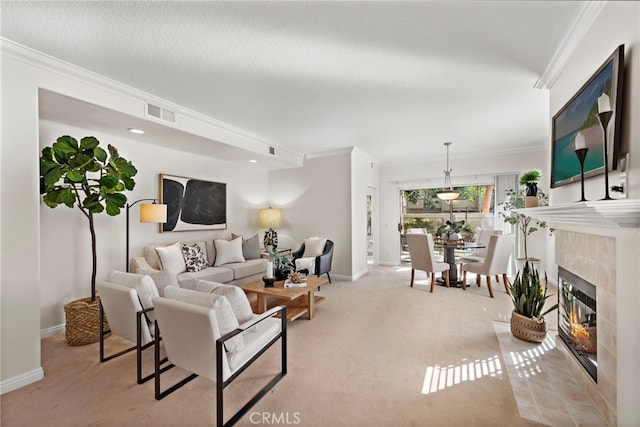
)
(314, 246)
(308, 264)
(194, 257)
(238, 301)
(161, 278)
(228, 251)
(171, 258)
(250, 247)
(227, 321)
(203, 285)
(143, 284)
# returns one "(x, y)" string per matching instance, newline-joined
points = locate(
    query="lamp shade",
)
(448, 195)
(153, 212)
(270, 218)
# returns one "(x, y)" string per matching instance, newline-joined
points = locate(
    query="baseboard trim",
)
(53, 330)
(359, 275)
(21, 380)
(388, 263)
(349, 278)
(341, 277)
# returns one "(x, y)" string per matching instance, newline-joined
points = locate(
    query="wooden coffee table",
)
(298, 300)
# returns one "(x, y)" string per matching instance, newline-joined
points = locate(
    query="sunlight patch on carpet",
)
(439, 377)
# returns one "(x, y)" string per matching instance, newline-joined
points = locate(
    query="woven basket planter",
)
(528, 329)
(82, 321)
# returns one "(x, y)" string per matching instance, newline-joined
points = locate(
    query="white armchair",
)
(127, 316)
(202, 335)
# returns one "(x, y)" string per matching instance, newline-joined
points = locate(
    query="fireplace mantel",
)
(624, 213)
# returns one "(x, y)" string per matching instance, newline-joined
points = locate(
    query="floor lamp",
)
(149, 212)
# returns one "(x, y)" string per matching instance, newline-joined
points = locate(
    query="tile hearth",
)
(544, 387)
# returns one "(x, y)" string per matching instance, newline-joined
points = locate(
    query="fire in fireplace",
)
(577, 322)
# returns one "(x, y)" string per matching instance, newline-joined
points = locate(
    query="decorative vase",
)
(455, 236)
(268, 249)
(532, 189)
(527, 328)
(83, 321)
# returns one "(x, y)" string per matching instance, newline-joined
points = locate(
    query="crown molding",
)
(52, 64)
(329, 153)
(587, 13)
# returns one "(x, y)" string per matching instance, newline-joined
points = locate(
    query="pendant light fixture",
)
(447, 193)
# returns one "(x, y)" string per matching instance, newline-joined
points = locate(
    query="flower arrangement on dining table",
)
(451, 233)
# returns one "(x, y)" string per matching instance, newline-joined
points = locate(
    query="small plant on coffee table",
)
(283, 265)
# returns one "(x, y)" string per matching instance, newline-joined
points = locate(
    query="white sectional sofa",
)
(223, 265)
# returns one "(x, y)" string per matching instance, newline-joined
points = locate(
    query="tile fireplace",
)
(598, 241)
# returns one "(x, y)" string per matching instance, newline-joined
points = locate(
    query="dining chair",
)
(479, 254)
(416, 231)
(496, 262)
(421, 250)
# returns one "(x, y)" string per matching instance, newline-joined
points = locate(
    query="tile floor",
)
(545, 390)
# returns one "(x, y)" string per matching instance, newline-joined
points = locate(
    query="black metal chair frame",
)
(220, 383)
(138, 346)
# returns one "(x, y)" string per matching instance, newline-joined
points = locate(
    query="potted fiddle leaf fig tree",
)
(84, 175)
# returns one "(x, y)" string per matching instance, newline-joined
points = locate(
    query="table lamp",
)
(270, 218)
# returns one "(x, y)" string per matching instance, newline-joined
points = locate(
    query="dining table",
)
(449, 251)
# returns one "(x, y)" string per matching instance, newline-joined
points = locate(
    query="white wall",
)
(20, 275)
(466, 171)
(618, 23)
(316, 201)
(23, 73)
(64, 234)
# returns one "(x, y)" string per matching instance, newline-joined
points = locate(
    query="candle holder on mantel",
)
(604, 115)
(581, 153)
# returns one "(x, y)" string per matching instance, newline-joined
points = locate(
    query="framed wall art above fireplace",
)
(193, 204)
(580, 116)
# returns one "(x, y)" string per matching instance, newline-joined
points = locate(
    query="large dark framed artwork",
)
(580, 115)
(193, 204)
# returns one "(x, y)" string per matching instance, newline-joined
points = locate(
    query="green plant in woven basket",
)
(84, 175)
(528, 294)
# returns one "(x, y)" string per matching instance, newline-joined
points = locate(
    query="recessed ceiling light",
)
(253, 161)
(137, 131)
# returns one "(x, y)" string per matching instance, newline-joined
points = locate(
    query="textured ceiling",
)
(396, 79)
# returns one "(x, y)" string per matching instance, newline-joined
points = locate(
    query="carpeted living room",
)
(377, 353)
(362, 125)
